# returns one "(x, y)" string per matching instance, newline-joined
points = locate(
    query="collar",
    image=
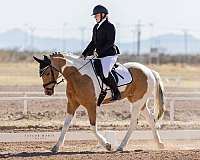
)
(103, 20)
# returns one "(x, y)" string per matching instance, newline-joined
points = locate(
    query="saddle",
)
(120, 73)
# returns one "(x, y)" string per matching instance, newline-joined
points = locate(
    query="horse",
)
(83, 89)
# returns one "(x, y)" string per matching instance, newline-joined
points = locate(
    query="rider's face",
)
(98, 17)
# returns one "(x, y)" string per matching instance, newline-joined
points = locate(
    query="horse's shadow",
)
(48, 153)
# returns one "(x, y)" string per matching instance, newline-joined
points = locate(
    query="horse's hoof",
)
(54, 149)
(120, 149)
(108, 146)
(161, 146)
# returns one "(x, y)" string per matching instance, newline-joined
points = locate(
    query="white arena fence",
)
(61, 96)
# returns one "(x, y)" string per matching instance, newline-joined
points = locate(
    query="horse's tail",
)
(158, 97)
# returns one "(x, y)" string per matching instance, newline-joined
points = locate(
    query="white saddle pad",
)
(125, 76)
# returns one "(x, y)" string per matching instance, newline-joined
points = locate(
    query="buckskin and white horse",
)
(83, 89)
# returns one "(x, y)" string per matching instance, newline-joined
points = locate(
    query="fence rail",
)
(25, 98)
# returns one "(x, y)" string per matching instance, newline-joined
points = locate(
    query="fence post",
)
(172, 111)
(25, 111)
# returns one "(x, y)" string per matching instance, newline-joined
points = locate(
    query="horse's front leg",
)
(92, 117)
(71, 108)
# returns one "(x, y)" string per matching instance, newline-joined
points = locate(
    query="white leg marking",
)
(102, 140)
(67, 121)
(150, 118)
(133, 124)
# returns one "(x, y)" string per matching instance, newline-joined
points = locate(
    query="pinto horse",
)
(83, 89)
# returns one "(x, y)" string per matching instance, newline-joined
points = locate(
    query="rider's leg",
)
(107, 65)
(110, 81)
(99, 69)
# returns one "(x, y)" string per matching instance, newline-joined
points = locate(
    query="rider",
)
(103, 47)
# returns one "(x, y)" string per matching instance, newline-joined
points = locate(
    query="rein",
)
(57, 83)
(90, 60)
(83, 65)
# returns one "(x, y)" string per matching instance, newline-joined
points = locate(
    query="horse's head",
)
(48, 73)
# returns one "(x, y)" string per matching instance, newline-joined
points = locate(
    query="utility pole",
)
(138, 26)
(32, 30)
(64, 36)
(25, 37)
(151, 35)
(118, 33)
(185, 41)
(133, 43)
(82, 30)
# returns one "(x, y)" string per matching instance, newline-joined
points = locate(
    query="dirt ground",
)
(86, 150)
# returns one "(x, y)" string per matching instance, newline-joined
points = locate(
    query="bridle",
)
(54, 81)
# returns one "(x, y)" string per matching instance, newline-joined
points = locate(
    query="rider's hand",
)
(95, 54)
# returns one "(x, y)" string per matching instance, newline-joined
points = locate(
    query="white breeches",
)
(107, 64)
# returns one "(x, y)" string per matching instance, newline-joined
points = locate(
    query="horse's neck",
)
(59, 63)
(71, 72)
(69, 64)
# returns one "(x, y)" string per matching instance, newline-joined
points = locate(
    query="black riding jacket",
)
(103, 40)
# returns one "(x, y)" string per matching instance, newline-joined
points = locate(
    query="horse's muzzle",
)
(49, 91)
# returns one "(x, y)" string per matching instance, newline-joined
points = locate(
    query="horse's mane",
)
(69, 57)
(56, 54)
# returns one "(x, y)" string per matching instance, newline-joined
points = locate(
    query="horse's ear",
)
(37, 59)
(47, 60)
(45, 57)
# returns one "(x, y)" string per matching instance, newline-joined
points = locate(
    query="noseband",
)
(54, 80)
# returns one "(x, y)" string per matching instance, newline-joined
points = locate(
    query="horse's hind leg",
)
(150, 118)
(71, 108)
(133, 124)
(91, 109)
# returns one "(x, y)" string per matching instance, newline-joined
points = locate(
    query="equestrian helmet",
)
(99, 9)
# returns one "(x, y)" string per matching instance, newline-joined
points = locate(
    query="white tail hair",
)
(159, 106)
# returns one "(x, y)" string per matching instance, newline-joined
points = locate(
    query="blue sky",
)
(48, 16)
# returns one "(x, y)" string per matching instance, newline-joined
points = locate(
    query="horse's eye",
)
(48, 74)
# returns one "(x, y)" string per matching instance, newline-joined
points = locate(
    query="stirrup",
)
(116, 97)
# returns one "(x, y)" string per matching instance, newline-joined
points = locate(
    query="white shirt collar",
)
(101, 22)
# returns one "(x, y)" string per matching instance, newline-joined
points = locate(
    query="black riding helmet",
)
(99, 9)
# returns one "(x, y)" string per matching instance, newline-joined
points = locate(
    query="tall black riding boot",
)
(110, 81)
